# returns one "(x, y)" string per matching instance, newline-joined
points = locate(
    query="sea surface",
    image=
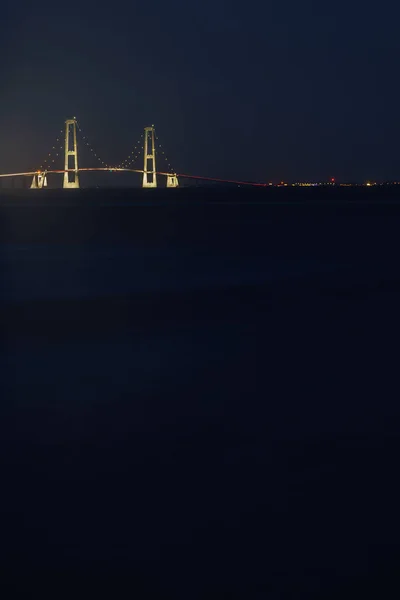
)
(200, 393)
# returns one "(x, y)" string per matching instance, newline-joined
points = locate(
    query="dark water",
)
(200, 394)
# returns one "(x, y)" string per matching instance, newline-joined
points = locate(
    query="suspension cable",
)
(133, 156)
(90, 147)
(51, 157)
(163, 154)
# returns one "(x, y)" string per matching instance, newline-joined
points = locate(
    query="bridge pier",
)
(42, 180)
(39, 181)
(172, 181)
(71, 150)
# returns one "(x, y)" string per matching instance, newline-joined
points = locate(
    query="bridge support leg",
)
(172, 181)
(71, 174)
(149, 171)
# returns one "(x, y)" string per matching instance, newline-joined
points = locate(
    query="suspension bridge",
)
(148, 146)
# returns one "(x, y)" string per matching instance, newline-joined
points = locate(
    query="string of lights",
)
(164, 155)
(133, 156)
(252, 183)
(52, 155)
(90, 147)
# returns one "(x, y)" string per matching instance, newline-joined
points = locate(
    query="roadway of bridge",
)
(118, 169)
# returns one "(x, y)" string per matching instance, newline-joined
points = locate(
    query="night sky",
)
(254, 90)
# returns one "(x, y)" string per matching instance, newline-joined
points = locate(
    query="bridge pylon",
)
(149, 172)
(172, 181)
(71, 177)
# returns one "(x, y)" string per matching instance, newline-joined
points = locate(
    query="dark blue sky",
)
(254, 90)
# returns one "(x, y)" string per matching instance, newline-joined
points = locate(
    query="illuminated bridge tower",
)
(71, 179)
(149, 171)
